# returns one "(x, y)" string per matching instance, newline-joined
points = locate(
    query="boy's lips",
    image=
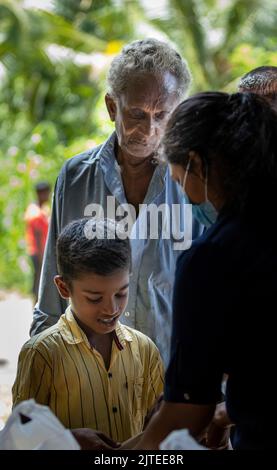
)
(108, 321)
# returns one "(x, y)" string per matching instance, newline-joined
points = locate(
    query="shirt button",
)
(186, 396)
(114, 409)
(110, 375)
(127, 314)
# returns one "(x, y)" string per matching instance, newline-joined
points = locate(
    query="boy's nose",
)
(111, 308)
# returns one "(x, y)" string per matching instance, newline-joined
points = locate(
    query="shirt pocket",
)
(135, 390)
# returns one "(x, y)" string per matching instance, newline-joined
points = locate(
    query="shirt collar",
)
(112, 173)
(107, 153)
(73, 334)
(121, 336)
(70, 330)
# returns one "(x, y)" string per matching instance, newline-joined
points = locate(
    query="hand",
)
(218, 433)
(221, 417)
(89, 439)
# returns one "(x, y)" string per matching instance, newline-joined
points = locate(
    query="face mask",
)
(205, 212)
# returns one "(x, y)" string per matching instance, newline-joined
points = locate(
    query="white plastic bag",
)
(180, 440)
(35, 427)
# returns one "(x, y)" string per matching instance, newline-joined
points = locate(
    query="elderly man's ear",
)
(111, 106)
(62, 287)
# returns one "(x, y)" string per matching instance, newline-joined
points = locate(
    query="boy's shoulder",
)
(45, 338)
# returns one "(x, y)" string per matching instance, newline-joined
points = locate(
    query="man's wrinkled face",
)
(142, 111)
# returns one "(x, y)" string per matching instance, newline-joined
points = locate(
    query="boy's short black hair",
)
(92, 246)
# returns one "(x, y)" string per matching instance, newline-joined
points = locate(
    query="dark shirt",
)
(224, 305)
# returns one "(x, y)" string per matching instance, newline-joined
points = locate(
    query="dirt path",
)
(15, 320)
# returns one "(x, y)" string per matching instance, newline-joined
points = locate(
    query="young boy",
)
(89, 369)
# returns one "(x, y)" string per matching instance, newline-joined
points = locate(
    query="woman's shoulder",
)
(201, 250)
(209, 254)
(223, 247)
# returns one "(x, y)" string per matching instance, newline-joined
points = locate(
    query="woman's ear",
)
(111, 106)
(62, 287)
(197, 166)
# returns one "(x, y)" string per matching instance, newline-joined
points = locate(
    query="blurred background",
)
(54, 56)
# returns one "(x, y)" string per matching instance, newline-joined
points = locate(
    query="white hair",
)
(147, 55)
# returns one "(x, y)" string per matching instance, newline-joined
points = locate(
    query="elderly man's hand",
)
(88, 439)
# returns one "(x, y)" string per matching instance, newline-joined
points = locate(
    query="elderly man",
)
(146, 82)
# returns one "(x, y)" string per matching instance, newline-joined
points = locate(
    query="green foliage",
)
(46, 87)
(108, 20)
(27, 155)
(208, 32)
(246, 57)
(65, 96)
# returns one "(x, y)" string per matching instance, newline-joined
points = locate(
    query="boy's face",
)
(98, 301)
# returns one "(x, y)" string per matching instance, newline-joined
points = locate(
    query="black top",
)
(223, 322)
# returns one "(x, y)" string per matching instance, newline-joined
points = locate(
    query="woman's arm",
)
(173, 416)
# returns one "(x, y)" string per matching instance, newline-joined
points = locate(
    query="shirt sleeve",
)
(33, 379)
(195, 369)
(154, 382)
(50, 305)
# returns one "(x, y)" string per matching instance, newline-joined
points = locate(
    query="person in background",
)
(263, 82)
(89, 369)
(37, 221)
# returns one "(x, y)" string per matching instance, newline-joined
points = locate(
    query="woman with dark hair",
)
(222, 151)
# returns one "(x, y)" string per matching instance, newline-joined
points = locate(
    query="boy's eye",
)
(94, 301)
(121, 296)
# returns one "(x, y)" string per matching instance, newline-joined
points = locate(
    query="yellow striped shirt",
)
(60, 369)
